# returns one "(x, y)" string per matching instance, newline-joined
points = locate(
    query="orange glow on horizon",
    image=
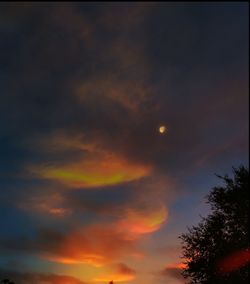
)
(117, 273)
(115, 277)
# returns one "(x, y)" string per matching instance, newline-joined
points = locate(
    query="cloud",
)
(117, 273)
(170, 250)
(95, 166)
(139, 223)
(94, 244)
(124, 269)
(174, 271)
(38, 278)
(99, 171)
(129, 94)
(99, 244)
(45, 202)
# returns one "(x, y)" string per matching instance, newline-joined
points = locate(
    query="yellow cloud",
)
(107, 171)
(91, 259)
(95, 167)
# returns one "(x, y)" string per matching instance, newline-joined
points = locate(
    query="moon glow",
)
(162, 129)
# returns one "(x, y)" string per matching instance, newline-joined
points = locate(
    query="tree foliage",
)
(217, 249)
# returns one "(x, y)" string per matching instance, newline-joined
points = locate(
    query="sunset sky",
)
(90, 189)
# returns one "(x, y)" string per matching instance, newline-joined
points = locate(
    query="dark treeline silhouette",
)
(217, 249)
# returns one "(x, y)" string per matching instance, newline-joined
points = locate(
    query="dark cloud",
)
(124, 269)
(118, 272)
(39, 278)
(97, 244)
(173, 273)
(72, 77)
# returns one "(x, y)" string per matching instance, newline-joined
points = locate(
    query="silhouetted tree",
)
(217, 250)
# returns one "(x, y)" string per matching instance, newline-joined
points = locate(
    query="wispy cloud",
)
(174, 271)
(49, 203)
(117, 273)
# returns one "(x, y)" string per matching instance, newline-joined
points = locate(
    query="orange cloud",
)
(177, 265)
(101, 244)
(95, 245)
(137, 222)
(107, 170)
(78, 258)
(95, 167)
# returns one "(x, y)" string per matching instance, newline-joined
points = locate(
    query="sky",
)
(90, 190)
